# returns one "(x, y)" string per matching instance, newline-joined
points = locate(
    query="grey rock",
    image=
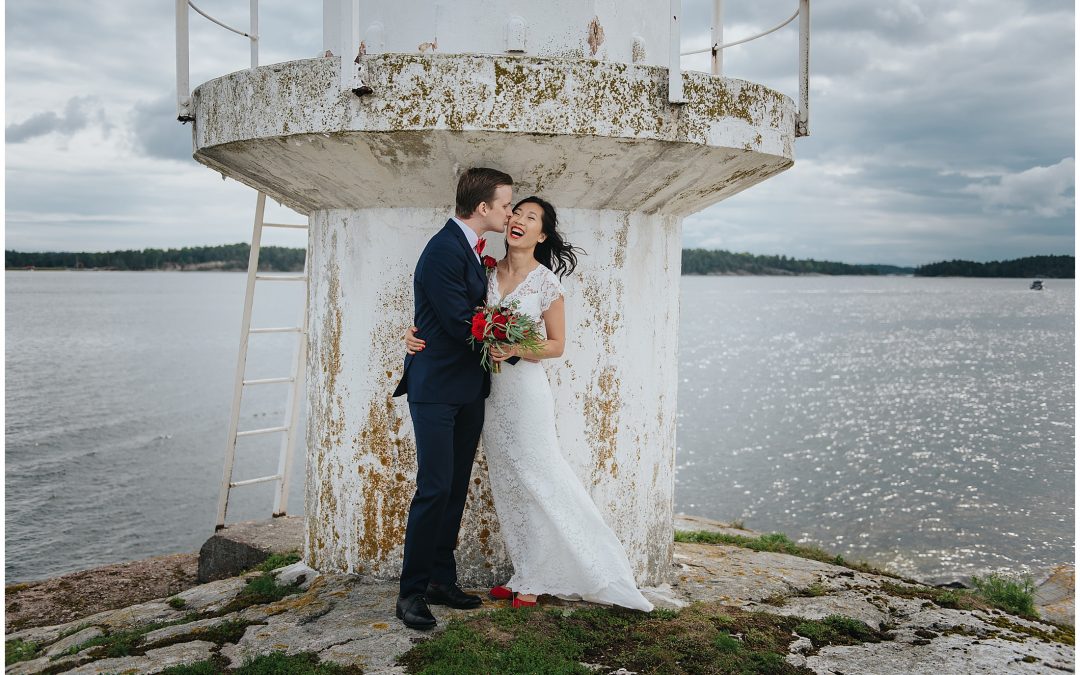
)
(241, 546)
(44, 635)
(154, 661)
(349, 619)
(801, 645)
(193, 629)
(211, 596)
(138, 615)
(948, 654)
(42, 663)
(297, 572)
(849, 603)
(1054, 595)
(74, 639)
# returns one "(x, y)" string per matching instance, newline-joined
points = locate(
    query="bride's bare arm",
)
(555, 326)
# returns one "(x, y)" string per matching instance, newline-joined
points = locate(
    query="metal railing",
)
(184, 113)
(675, 94)
(341, 28)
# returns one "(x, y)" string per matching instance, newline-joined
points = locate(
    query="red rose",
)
(479, 325)
(489, 262)
(499, 326)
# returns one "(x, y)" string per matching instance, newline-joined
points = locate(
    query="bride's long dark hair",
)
(554, 253)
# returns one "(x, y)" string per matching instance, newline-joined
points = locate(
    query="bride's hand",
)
(413, 343)
(500, 354)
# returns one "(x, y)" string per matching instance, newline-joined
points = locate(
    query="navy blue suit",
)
(446, 386)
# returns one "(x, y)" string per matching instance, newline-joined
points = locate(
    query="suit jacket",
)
(448, 284)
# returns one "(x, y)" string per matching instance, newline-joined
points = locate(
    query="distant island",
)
(695, 261)
(226, 257)
(700, 261)
(1039, 266)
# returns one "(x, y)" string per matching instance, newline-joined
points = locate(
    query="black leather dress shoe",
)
(451, 596)
(414, 613)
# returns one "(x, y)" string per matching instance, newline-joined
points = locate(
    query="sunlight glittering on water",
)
(921, 424)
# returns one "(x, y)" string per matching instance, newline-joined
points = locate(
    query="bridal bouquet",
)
(503, 326)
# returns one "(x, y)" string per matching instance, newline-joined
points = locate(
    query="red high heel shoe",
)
(501, 593)
(518, 602)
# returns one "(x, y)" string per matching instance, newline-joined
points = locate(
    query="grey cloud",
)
(77, 114)
(156, 132)
(1044, 191)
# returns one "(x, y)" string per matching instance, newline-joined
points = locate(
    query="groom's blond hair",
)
(477, 185)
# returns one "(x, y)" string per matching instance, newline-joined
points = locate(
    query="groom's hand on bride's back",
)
(412, 343)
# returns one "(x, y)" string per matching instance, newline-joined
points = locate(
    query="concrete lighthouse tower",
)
(570, 97)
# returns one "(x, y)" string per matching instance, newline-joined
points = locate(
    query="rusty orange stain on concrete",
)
(595, 36)
(602, 406)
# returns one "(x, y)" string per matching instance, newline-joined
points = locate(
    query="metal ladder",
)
(295, 397)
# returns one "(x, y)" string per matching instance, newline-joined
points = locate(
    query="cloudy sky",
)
(940, 128)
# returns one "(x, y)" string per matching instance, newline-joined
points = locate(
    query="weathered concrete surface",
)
(348, 619)
(614, 392)
(241, 546)
(588, 134)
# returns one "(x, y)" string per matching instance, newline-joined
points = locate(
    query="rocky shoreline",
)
(348, 619)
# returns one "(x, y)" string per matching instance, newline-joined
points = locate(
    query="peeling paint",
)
(546, 102)
(602, 409)
(594, 35)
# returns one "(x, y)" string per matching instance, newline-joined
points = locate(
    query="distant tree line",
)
(224, 257)
(704, 261)
(694, 261)
(1046, 266)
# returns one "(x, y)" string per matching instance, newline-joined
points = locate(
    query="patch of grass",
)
(120, 643)
(738, 525)
(776, 599)
(226, 631)
(278, 663)
(942, 597)
(1011, 594)
(264, 589)
(207, 667)
(123, 643)
(277, 560)
(1059, 633)
(176, 603)
(837, 630)
(259, 590)
(700, 639)
(814, 590)
(776, 542)
(19, 650)
(74, 629)
(274, 663)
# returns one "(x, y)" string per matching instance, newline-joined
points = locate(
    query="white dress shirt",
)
(469, 234)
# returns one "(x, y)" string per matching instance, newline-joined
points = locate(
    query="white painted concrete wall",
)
(615, 388)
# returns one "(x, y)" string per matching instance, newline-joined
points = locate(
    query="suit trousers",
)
(446, 437)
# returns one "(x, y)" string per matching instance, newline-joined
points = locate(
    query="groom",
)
(447, 387)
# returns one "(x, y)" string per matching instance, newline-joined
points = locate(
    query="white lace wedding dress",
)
(556, 538)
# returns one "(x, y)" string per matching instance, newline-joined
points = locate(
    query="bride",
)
(557, 540)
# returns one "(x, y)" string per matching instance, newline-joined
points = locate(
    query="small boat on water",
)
(1036, 285)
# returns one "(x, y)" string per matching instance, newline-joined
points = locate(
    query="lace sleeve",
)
(550, 290)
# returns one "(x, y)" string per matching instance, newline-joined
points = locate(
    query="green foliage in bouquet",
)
(496, 327)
